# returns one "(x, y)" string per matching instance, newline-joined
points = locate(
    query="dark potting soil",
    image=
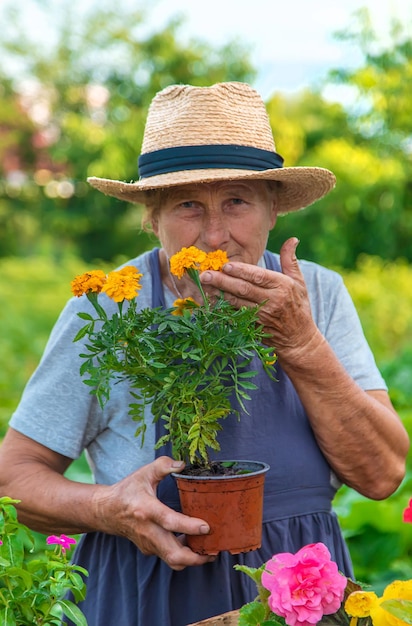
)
(217, 468)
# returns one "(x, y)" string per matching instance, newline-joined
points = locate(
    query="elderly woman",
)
(210, 177)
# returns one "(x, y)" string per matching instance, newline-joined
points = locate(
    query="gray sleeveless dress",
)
(126, 588)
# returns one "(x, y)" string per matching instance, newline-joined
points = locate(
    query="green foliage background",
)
(380, 544)
(93, 83)
(81, 108)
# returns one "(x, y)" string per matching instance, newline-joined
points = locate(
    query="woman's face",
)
(234, 216)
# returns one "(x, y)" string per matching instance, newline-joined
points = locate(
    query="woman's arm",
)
(358, 431)
(51, 503)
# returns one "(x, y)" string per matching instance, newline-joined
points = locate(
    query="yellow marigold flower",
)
(183, 303)
(186, 259)
(273, 360)
(397, 590)
(89, 281)
(123, 284)
(214, 260)
(360, 603)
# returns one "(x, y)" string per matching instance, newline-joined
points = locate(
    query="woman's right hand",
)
(50, 503)
(131, 508)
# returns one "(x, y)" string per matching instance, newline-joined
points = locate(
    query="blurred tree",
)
(368, 145)
(86, 89)
(79, 105)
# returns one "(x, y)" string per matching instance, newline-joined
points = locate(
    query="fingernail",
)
(204, 529)
(177, 464)
(228, 267)
(297, 242)
(206, 277)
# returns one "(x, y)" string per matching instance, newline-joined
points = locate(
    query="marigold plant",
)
(187, 361)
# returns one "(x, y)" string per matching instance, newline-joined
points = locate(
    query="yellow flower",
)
(186, 259)
(214, 261)
(183, 303)
(360, 603)
(123, 284)
(89, 281)
(273, 360)
(397, 590)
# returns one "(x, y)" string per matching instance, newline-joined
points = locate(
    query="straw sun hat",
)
(207, 134)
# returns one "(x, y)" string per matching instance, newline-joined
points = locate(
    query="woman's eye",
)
(188, 208)
(236, 203)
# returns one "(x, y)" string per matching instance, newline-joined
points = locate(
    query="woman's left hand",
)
(345, 418)
(285, 312)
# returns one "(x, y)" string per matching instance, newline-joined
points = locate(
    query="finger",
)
(164, 516)
(171, 549)
(176, 522)
(163, 466)
(182, 539)
(244, 272)
(242, 284)
(288, 261)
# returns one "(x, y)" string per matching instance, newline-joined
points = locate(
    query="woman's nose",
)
(215, 232)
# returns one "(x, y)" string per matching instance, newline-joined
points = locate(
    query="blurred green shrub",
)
(34, 290)
(382, 292)
(379, 542)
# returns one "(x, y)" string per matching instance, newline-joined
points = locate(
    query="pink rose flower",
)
(304, 586)
(407, 514)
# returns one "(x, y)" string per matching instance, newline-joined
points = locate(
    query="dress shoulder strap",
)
(158, 297)
(272, 261)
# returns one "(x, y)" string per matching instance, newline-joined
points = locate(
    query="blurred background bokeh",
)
(76, 79)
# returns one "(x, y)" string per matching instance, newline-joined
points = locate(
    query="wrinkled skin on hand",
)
(285, 313)
(140, 516)
(53, 504)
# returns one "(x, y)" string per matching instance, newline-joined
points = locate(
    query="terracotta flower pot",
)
(226, 619)
(231, 505)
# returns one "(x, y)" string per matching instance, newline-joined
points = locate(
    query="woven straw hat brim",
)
(300, 186)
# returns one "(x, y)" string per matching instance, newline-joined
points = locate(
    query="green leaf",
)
(85, 316)
(6, 500)
(72, 611)
(248, 374)
(247, 385)
(82, 333)
(20, 573)
(7, 618)
(402, 609)
(251, 614)
(255, 573)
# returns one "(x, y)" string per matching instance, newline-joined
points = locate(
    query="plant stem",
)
(194, 275)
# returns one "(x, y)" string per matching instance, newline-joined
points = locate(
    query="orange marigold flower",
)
(186, 259)
(87, 282)
(183, 303)
(360, 603)
(129, 270)
(214, 260)
(123, 284)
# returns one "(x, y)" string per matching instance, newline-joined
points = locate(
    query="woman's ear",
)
(272, 203)
(155, 226)
(273, 212)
